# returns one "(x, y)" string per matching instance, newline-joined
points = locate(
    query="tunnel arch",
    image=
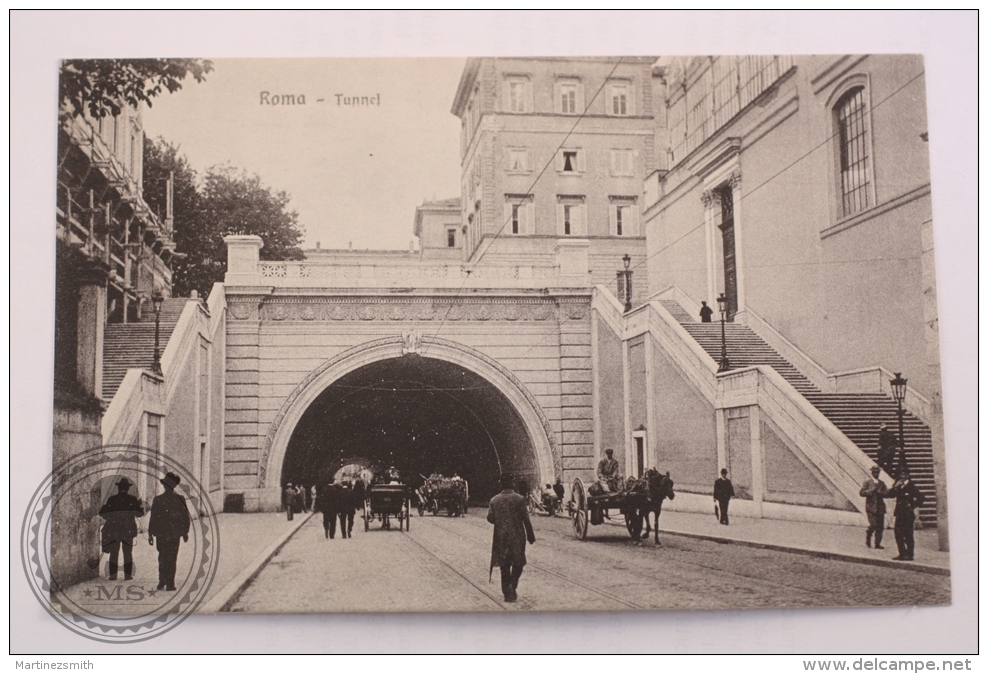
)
(534, 421)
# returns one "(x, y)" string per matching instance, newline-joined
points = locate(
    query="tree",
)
(227, 201)
(101, 86)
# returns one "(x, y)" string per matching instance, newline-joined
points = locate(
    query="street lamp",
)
(899, 393)
(624, 282)
(725, 364)
(156, 302)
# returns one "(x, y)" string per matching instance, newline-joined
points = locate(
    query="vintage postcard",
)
(487, 334)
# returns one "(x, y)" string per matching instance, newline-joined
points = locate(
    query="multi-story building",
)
(553, 152)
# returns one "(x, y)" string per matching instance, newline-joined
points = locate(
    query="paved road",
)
(442, 564)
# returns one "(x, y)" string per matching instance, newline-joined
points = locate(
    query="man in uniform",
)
(907, 498)
(169, 522)
(512, 526)
(723, 493)
(120, 529)
(875, 491)
(608, 471)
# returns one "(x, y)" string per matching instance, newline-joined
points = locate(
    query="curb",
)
(223, 600)
(888, 563)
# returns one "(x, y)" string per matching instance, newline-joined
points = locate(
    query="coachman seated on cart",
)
(609, 474)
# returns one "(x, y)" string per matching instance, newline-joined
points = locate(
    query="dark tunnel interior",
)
(421, 415)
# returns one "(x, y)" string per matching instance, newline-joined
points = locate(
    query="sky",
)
(354, 173)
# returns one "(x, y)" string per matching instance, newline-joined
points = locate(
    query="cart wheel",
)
(367, 517)
(408, 515)
(421, 510)
(579, 510)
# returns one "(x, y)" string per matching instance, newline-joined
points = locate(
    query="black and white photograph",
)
(549, 334)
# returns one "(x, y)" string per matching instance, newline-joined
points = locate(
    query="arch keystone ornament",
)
(534, 420)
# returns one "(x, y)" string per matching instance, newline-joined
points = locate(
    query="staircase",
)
(857, 415)
(131, 345)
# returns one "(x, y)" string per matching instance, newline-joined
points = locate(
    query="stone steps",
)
(131, 345)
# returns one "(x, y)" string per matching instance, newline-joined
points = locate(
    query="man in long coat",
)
(120, 528)
(329, 501)
(169, 522)
(907, 497)
(723, 493)
(512, 526)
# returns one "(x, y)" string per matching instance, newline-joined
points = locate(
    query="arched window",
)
(853, 146)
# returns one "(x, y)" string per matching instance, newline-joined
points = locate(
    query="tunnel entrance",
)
(422, 415)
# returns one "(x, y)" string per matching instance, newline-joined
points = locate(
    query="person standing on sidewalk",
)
(120, 528)
(875, 491)
(723, 493)
(907, 497)
(169, 522)
(512, 527)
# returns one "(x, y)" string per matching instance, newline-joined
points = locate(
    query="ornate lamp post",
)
(156, 301)
(624, 282)
(725, 364)
(899, 393)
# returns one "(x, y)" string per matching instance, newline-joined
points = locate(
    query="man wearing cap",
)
(120, 529)
(169, 523)
(875, 491)
(887, 444)
(608, 471)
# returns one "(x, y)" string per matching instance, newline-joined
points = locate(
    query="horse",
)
(660, 488)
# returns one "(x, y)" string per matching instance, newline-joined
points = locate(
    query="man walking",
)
(512, 527)
(908, 497)
(169, 522)
(120, 528)
(887, 445)
(328, 502)
(347, 509)
(875, 491)
(723, 493)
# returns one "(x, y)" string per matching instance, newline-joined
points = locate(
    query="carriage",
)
(441, 494)
(635, 500)
(384, 501)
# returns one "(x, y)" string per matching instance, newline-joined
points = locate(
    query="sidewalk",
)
(825, 540)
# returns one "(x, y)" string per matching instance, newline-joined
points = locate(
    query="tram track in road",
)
(562, 576)
(651, 576)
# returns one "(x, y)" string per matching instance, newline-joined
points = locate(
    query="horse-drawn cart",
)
(443, 494)
(383, 501)
(635, 501)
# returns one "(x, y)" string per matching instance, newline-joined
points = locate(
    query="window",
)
(571, 160)
(622, 162)
(451, 237)
(619, 101)
(518, 94)
(518, 160)
(853, 151)
(569, 96)
(624, 216)
(518, 214)
(571, 216)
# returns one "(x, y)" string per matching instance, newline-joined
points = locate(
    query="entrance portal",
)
(422, 415)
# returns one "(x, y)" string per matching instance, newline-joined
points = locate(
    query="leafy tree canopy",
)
(226, 201)
(101, 86)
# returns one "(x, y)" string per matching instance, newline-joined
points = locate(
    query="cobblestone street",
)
(442, 564)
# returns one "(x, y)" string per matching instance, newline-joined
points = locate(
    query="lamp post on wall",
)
(156, 301)
(725, 364)
(624, 282)
(899, 393)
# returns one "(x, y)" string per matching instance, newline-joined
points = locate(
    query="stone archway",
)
(536, 425)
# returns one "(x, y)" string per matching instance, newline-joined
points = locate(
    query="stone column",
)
(242, 257)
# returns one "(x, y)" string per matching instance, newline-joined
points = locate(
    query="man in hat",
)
(169, 523)
(608, 471)
(120, 528)
(875, 491)
(723, 493)
(907, 497)
(512, 526)
(288, 497)
(887, 445)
